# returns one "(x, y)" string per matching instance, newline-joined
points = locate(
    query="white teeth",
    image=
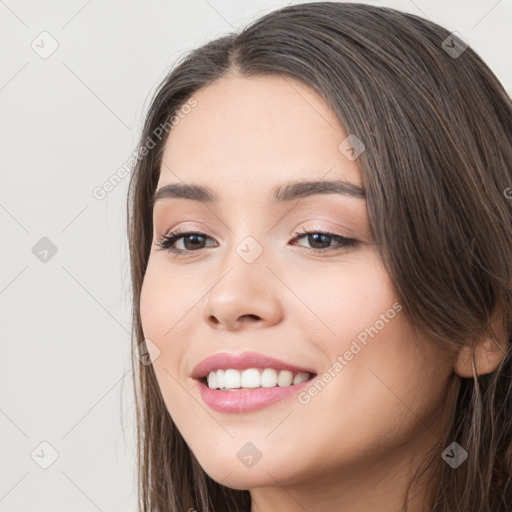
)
(231, 379)
(268, 378)
(212, 380)
(300, 378)
(285, 378)
(252, 378)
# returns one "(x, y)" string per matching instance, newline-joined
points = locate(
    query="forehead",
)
(254, 131)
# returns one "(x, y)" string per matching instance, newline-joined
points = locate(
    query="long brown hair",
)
(437, 172)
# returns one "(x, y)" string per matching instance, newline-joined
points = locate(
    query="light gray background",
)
(68, 122)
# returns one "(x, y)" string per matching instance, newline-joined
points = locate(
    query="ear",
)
(483, 357)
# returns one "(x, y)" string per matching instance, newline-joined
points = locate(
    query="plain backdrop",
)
(75, 79)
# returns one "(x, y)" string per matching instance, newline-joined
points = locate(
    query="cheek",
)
(166, 298)
(341, 299)
(165, 304)
(375, 376)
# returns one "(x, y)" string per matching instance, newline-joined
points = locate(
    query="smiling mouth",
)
(252, 389)
(254, 378)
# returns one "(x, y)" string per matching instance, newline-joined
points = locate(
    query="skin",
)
(355, 445)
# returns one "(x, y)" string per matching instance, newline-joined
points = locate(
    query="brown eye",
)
(320, 241)
(192, 241)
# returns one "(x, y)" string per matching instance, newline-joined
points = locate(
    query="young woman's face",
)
(250, 283)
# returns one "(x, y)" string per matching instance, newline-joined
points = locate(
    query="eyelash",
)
(166, 242)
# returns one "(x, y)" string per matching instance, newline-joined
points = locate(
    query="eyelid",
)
(339, 231)
(183, 230)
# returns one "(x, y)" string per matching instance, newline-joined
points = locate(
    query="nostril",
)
(213, 320)
(250, 316)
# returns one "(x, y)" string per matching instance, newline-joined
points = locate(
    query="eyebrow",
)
(281, 193)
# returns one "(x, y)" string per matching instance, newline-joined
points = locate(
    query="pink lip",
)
(242, 361)
(244, 400)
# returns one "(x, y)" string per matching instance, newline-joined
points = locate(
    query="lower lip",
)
(245, 400)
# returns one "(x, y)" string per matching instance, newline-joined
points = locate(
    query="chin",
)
(235, 474)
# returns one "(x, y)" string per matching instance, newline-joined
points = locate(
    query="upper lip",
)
(242, 361)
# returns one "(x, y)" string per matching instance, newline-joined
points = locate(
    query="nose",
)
(244, 295)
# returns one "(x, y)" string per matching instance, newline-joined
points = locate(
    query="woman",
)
(320, 228)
